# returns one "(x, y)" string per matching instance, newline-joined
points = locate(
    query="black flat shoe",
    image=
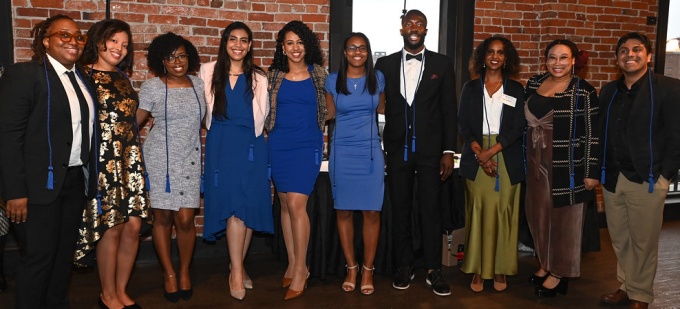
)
(560, 288)
(133, 306)
(186, 294)
(536, 280)
(172, 297)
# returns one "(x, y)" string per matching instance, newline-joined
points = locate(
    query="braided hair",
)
(38, 33)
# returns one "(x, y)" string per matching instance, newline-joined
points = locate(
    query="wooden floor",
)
(598, 276)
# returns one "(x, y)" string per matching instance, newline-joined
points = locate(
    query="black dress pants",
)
(400, 179)
(48, 240)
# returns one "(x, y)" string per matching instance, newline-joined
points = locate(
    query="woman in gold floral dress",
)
(113, 219)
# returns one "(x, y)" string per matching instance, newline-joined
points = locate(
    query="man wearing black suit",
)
(44, 146)
(419, 139)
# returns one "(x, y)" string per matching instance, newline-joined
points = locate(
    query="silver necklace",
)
(355, 84)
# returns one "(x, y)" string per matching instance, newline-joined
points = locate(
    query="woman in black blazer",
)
(491, 121)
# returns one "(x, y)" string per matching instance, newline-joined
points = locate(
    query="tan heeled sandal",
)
(367, 289)
(349, 286)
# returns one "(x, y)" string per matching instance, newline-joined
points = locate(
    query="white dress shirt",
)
(74, 104)
(411, 70)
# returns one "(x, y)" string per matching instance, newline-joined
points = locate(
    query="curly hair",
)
(163, 46)
(222, 66)
(512, 63)
(309, 39)
(38, 33)
(371, 81)
(99, 33)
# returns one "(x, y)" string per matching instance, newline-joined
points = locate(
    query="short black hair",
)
(164, 45)
(636, 36)
(414, 12)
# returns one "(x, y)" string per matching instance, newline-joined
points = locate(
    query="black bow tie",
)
(418, 57)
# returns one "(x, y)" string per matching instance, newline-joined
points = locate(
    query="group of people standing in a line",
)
(573, 140)
(76, 177)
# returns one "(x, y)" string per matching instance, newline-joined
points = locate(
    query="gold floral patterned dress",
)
(120, 165)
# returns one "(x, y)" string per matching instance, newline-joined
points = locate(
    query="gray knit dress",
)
(181, 145)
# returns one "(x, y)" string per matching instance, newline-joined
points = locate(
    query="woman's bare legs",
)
(186, 243)
(345, 220)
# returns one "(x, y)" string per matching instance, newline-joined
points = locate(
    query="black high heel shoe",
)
(536, 280)
(560, 288)
(186, 294)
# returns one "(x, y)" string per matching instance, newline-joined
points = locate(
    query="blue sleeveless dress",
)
(296, 143)
(236, 182)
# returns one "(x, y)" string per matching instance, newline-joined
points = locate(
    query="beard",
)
(416, 45)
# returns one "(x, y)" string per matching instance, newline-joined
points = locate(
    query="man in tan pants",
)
(640, 154)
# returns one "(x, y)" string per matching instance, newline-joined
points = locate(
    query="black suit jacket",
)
(434, 101)
(471, 121)
(665, 129)
(24, 148)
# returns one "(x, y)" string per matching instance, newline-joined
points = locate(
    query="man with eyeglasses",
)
(46, 126)
(640, 154)
(420, 136)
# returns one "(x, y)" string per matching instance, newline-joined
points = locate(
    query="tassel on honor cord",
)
(202, 183)
(602, 174)
(147, 184)
(269, 171)
(405, 153)
(251, 158)
(99, 203)
(50, 178)
(316, 157)
(498, 185)
(216, 173)
(167, 182)
(571, 181)
(651, 183)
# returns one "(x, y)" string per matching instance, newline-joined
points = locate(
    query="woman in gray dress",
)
(176, 101)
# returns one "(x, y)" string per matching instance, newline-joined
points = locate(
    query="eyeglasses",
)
(562, 60)
(66, 37)
(354, 48)
(181, 58)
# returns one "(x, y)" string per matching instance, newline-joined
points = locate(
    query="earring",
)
(572, 70)
(284, 53)
(484, 65)
(164, 71)
(503, 66)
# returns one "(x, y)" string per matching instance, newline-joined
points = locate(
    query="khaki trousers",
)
(634, 218)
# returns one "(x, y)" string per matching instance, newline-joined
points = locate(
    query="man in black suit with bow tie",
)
(419, 138)
(46, 126)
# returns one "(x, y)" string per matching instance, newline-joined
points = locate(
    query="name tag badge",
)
(509, 100)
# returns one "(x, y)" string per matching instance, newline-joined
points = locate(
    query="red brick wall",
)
(594, 25)
(200, 21)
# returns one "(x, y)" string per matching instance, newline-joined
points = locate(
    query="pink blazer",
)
(260, 96)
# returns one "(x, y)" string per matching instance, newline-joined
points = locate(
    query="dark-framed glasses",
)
(66, 37)
(354, 48)
(180, 58)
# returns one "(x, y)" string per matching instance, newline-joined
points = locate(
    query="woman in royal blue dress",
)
(237, 190)
(295, 125)
(357, 166)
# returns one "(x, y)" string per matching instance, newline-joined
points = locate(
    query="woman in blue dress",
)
(295, 125)
(357, 166)
(237, 196)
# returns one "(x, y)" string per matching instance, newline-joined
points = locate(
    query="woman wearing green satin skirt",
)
(491, 120)
(491, 224)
